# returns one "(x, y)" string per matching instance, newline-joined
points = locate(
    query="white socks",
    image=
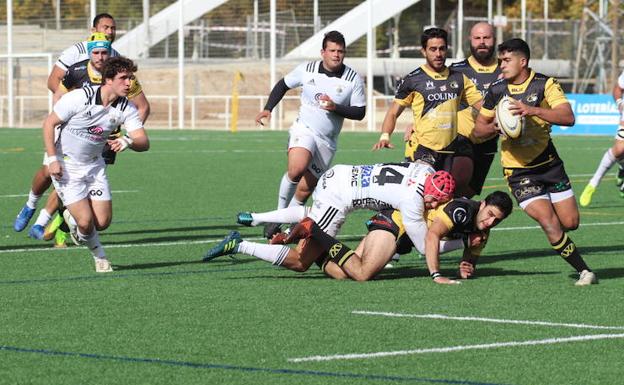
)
(286, 191)
(275, 254)
(605, 164)
(43, 218)
(32, 199)
(286, 215)
(93, 243)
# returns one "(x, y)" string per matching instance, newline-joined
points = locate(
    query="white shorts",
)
(80, 181)
(330, 207)
(552, 197)
(322, 151)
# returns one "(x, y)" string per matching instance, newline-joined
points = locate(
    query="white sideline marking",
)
(449, 349)
(157, 244)
(494, 320)
(26, 195)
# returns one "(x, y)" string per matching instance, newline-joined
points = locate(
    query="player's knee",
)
(102, 223)
(299, 267)
(570, 224)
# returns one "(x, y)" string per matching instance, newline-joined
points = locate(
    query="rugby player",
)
(75, 162)
(534, 171)
(613, 154)
(471, 169)
(86, 72)
(331, 92)
(460, 218)
(434, 93)
(408, 187)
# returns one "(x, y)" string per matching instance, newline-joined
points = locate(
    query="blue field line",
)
(199, 365)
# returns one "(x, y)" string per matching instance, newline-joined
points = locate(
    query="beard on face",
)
(480, 55)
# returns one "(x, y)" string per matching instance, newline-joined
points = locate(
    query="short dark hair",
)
(432, 33)
(116, 65)
(501, 200)
(100, 16)
(334, 37)
(515, 45)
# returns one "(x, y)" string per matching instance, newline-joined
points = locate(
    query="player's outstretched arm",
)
(54, 166)
(436, 232)
(276, 95)
(388, 125)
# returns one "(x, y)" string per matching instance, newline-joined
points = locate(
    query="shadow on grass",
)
(198, 261)
(608, 273)
(173, 230)
(545, 252)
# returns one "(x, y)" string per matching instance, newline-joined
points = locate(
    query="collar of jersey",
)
(480, 67)
(94, 75)
(436, 75)
(520, 88)
(329, 74)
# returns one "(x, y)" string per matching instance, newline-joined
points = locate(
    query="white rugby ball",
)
(509, 123)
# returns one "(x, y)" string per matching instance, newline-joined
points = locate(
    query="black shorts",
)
(527, 183)
(483, 157)
(390, 221)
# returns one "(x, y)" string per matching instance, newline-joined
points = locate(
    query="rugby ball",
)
(510, 124)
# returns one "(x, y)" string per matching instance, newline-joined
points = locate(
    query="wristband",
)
(435, 275)
(384, 136)
(125, 141)
(50, 159)
(128, 139)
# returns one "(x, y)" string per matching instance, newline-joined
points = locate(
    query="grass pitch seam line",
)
(494, 320)
(459, 348)
(214, 240)
(199, 365)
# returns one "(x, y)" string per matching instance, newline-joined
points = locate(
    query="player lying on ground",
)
(408, 187)
(460, 218)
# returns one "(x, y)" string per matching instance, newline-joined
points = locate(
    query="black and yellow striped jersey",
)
(482, 77)
(83, 74)
(434, 98)
(533, 148)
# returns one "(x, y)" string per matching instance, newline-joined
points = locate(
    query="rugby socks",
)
(43, 218)
(286, 191)
(605, 164)
(32, 199)
(286, 215)
(274, 254)
(568, 251)
(339, 253)
(93, 243)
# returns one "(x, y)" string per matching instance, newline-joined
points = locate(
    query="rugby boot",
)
(228, 246)
(23, 217)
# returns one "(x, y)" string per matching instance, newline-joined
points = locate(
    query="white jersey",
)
(87, 123)
(348, 90)
(76, 53)
(621, 80)
(377, 187)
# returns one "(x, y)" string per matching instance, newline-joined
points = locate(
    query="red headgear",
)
(440, 185)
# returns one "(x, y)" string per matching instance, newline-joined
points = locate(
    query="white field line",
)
(449, 349)
(212, 240)
(494, 320)
(26, 195)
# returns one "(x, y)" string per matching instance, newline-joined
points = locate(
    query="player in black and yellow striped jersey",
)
(471, 169)
(434, 93)
(460, 223)
(532, 167)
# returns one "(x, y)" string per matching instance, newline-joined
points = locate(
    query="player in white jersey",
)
(408, 187)
(87, 116)
(615, 154)
(78, 52)
(331, 92)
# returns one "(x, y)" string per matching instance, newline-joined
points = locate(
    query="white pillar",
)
(459, 53)
(432, 12)
(523, 19)
(316, 17)
(369, 68)
(255, 30)
(181, 64)
(92, 11)
(272, 57)
(545, 29)
(146, 26)
(489, 11)
(10, 63)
